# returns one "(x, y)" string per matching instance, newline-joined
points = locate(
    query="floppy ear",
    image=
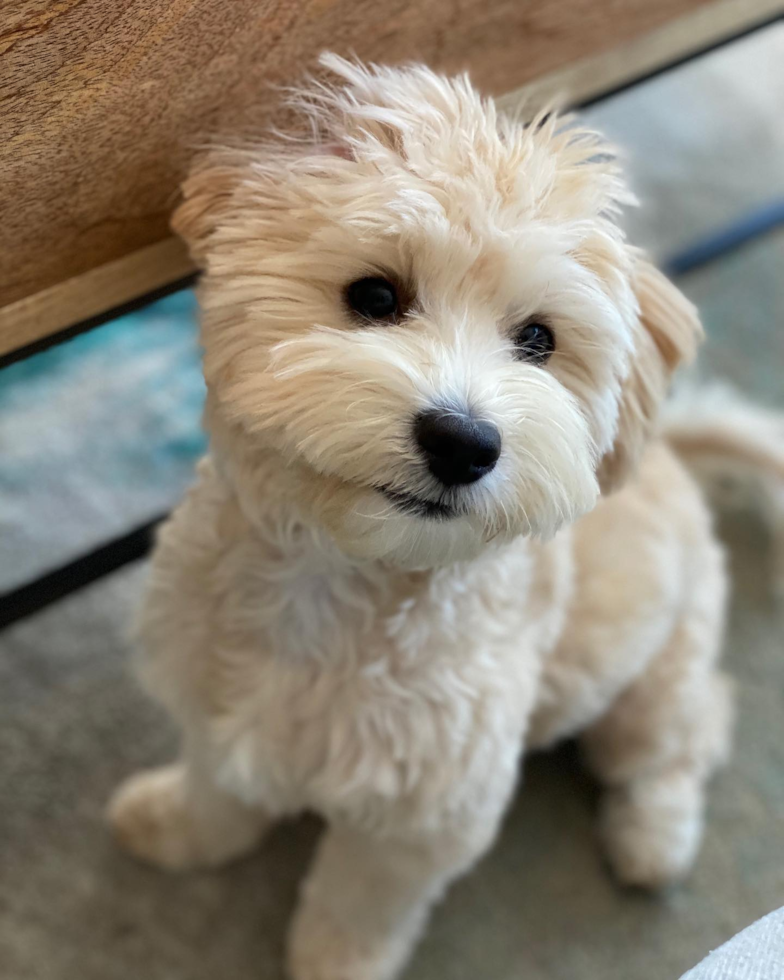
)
(206, 194)
(229, 181)
(667, 335)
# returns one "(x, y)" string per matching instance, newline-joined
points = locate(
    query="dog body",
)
(403, 698)
(397, 703)
(427, 349)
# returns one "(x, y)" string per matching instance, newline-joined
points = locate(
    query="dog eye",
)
(534, 342)
(373, 298)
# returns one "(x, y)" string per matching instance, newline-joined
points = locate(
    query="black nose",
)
(458, 448)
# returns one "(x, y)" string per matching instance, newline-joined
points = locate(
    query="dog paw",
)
(652, 830)
(153, 819)
(320, 949)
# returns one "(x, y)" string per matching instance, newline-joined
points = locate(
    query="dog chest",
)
(361, 705)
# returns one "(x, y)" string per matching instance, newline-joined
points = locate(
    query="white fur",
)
(323, 649)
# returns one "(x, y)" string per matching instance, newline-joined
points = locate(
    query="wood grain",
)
(103, 101)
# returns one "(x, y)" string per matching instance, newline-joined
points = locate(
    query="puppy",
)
(430, 357)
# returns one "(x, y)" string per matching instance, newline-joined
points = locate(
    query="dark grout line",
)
(77, 574)
(91, 323)
(648, 76)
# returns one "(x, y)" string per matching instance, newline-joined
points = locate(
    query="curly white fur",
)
(323, 648)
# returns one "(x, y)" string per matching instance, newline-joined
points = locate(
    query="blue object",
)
(750, 226)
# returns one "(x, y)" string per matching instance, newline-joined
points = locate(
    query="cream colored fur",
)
(736, 452)
(323, 650)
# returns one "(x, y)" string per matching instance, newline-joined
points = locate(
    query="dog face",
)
(428, 314)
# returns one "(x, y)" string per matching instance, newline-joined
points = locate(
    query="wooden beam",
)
(103, 101)
(92, 293)
(594, 75)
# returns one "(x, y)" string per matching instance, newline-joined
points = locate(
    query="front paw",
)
(153, 818)
(652, 830)
(322, 949)
(149, 817)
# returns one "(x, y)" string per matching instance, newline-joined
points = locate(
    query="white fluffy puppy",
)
(430, 356)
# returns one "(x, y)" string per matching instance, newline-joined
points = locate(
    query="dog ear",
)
(206, 200)
(667, 335)
(211, 192)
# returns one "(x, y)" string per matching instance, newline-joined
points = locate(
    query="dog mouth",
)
(409, 503)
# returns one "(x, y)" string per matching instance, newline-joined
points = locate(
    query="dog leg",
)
(654, 751)
(176, 818)
(366, 901)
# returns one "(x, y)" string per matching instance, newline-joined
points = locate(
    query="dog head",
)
(427, 313)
